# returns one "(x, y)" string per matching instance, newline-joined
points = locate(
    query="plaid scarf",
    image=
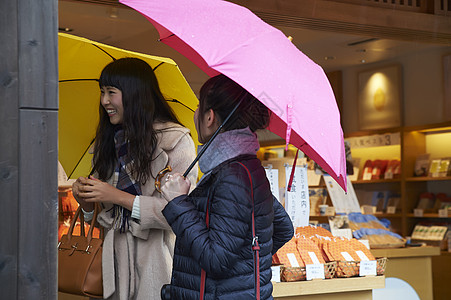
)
(123, 181)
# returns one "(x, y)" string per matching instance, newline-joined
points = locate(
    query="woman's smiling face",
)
(111, 100)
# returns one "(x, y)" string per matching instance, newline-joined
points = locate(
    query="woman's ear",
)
(210, 118)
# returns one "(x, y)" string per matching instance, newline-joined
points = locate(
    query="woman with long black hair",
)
(137, 136)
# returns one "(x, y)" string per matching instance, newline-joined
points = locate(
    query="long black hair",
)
(222, 94)
(143, 104)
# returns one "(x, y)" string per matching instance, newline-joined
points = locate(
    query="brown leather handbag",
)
(80, 259)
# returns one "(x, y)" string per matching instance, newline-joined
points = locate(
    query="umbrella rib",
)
(158, 66)
(161, 39)
(177, 101)
(73, 170)
(211, 139)
(104, 51)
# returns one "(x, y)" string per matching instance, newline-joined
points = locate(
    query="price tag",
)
(330, 211)
(443, 213)
(315, 271)
(391, 209)
(367, 175)
(418, 212)
(275, 273)
(368, 209)
(367, 267)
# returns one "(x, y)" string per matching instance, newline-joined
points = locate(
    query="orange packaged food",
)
(309, 251)
(358, 246)
(320, 242)
(341, 250)
(289, 256)
(309, 231)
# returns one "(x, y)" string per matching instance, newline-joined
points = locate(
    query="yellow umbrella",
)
(80, 64)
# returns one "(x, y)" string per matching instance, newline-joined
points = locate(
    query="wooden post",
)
(28, 143)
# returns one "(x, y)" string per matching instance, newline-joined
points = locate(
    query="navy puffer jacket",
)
(224, 249)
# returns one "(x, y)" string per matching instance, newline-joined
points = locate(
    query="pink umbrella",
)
(222, 37)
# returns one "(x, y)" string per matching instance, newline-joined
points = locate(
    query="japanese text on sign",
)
(297, 200)
(377, 140)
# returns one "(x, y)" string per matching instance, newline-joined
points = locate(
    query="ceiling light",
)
(363, 61)
(65, 29)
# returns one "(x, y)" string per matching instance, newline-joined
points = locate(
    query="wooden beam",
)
(28, 156)
(9, 143)
(353, 19)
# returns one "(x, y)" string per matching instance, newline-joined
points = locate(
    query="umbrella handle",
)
(159, 176)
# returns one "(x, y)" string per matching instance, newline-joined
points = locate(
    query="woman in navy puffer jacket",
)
(223, 249)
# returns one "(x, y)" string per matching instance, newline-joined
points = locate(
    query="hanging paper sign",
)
(315, 271)
(343, 202)
(297, 201)
(273, 178)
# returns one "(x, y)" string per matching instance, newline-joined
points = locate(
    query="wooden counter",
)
(338, 288)
(441, 275)
(413, 265)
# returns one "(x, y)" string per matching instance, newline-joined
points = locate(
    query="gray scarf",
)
(227, 145)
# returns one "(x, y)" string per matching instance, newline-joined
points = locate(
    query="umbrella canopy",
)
(222, 37)
(80, 64)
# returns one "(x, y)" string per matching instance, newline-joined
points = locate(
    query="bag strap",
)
(255, 246)
(79, 215)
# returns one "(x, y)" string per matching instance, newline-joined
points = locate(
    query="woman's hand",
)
(175, 186)
(92, 190)
(76, 193)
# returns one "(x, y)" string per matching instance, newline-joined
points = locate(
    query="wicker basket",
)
(347, 268)
(289, 274)
(351, 268)
(381, 265)
(330, 269)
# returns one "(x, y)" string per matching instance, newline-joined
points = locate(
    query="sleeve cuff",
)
(136, 213)
(87, 215)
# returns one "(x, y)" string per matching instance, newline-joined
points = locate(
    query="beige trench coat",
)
(138, 262)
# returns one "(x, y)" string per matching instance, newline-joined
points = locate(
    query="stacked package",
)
(316, 245)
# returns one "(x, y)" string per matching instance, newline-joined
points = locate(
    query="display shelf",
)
(327, 287)
(406, 144)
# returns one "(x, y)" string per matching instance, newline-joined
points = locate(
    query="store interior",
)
(399, 145)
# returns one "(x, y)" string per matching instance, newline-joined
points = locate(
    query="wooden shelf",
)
(406, 252)
(320, 219)
(397, 215)
(416, 179)
(360, 181)
(428, 215)
(327, 286)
